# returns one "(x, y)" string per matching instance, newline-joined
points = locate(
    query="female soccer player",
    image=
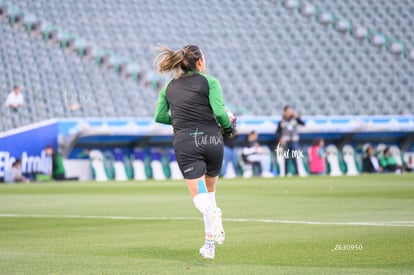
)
(192, 103)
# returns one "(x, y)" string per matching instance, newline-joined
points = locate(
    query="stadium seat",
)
(378, 40)
(248, 168)
(333, 160)
(119, 166)
(157, 165)
(291, 56)
(409, 161)
(396, 47)
(411, 55)
(387, 16)
(349, 159)
(280, 162)
(342, 25)
(230, 173)
(396, 153)
(291, 4)
(98, 167)
(301, 167)
(174, 168)
(31, 23)
(138, 164)
(380, 149)
(325, 18)
(308, 10)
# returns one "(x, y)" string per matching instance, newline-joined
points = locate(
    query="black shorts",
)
(199, 152)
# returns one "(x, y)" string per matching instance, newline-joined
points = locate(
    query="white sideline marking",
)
(378, 224)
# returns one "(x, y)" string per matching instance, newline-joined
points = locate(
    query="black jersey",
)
(193, 104)
(195, 101)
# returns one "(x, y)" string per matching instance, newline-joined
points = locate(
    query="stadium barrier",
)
(75, 138)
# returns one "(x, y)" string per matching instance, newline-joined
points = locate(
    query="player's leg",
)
(265, 163)
(235, 160)
(294, 148)
(214, 157)
(193, 168)
(203, 203)
(226, 160)
(218, 229)
(211, 183)
(287, 158)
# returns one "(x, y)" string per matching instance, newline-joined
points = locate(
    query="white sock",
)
(203, 203)
(208, 223)
(212, 196)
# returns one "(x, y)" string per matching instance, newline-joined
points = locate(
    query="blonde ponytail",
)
(168, 60)
(178, 62)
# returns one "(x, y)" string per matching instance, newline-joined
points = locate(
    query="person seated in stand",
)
(253, 152)
(15, 99)
(370, 162)
(14, 174)
(388, 162)
(410, 164)
(317, 157)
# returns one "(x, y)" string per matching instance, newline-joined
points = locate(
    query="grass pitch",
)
(317, 225)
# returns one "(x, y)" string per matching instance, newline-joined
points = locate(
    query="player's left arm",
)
(278, 133)
(217, 104)
(300, 121)
(162, 114)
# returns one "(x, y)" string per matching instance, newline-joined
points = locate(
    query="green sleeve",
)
(383, 161)
(392, 160)
(216, 102)
(162, 114)
(60, 168)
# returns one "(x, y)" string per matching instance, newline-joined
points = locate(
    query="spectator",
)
(288, 136)
(388, 162)
(58, 170)
(15, 173)
(230, 156)
(370, 162)
(253, 152)
(317, 157)
(410, 164)
(15, 99)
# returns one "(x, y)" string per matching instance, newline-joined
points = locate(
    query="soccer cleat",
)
(218, 230)
(207, 251)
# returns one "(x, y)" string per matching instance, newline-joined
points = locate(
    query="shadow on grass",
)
(187, 256)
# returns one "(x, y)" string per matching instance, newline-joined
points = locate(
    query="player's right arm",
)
(217, 103)
(162, 111)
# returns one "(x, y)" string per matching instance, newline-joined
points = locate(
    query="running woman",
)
(192, 102)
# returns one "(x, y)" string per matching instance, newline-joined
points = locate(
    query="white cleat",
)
(207, 251)
(218, 230)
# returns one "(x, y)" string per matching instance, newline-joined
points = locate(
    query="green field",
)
(273, 226)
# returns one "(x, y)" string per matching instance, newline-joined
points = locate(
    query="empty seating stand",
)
(316, 55)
